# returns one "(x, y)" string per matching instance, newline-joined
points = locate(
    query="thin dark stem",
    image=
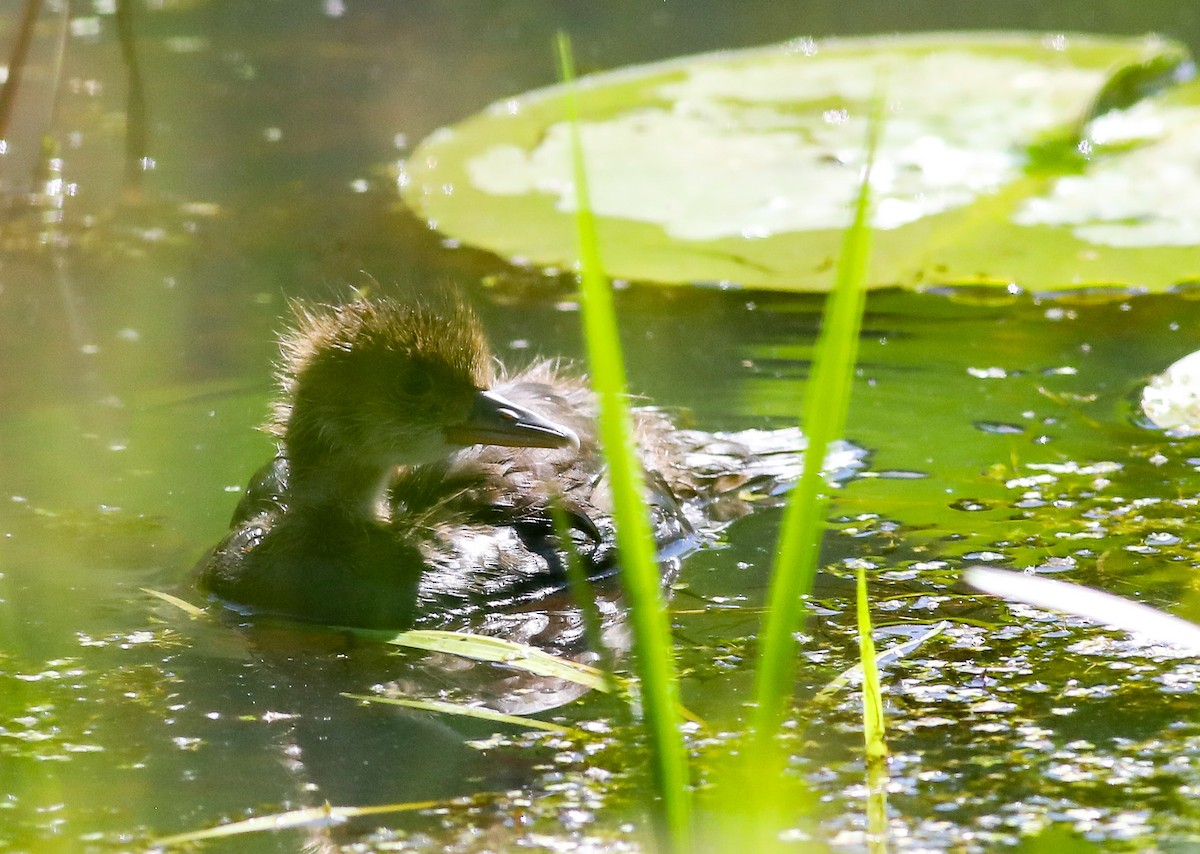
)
(16, 63)
(136, 135)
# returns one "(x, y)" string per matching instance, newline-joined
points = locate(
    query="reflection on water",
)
(135, 342)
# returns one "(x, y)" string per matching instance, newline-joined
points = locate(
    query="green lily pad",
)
(1046, 160)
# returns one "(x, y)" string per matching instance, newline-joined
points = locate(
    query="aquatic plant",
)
(652, 648)
(824, 417)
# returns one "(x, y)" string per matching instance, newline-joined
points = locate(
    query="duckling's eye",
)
(416, 383)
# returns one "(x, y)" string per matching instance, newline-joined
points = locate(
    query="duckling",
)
(415, 477)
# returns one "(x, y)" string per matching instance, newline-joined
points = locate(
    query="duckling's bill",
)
(495, 420)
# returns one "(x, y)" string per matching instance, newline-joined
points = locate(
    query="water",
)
(136, 362)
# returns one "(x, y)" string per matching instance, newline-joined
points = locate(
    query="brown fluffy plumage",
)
(371, 515)
(446, 334)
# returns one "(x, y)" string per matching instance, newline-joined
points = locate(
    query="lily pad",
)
(1046, 160)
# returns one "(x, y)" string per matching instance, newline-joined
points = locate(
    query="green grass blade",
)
(873, 724)
(825, 403)
(654, 655)
(325, 816)
(518, 656)
(193, 611)
(462, 710)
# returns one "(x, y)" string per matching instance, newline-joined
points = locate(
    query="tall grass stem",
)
(652, 645)
(826, 401)
(874, 743)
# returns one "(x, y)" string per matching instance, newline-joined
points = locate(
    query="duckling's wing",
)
(485, 567)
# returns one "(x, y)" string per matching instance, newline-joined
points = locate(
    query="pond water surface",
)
(136, 346)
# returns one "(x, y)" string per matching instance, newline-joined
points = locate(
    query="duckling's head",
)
(386, 383)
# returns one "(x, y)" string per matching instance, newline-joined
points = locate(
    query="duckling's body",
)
(379, 511)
